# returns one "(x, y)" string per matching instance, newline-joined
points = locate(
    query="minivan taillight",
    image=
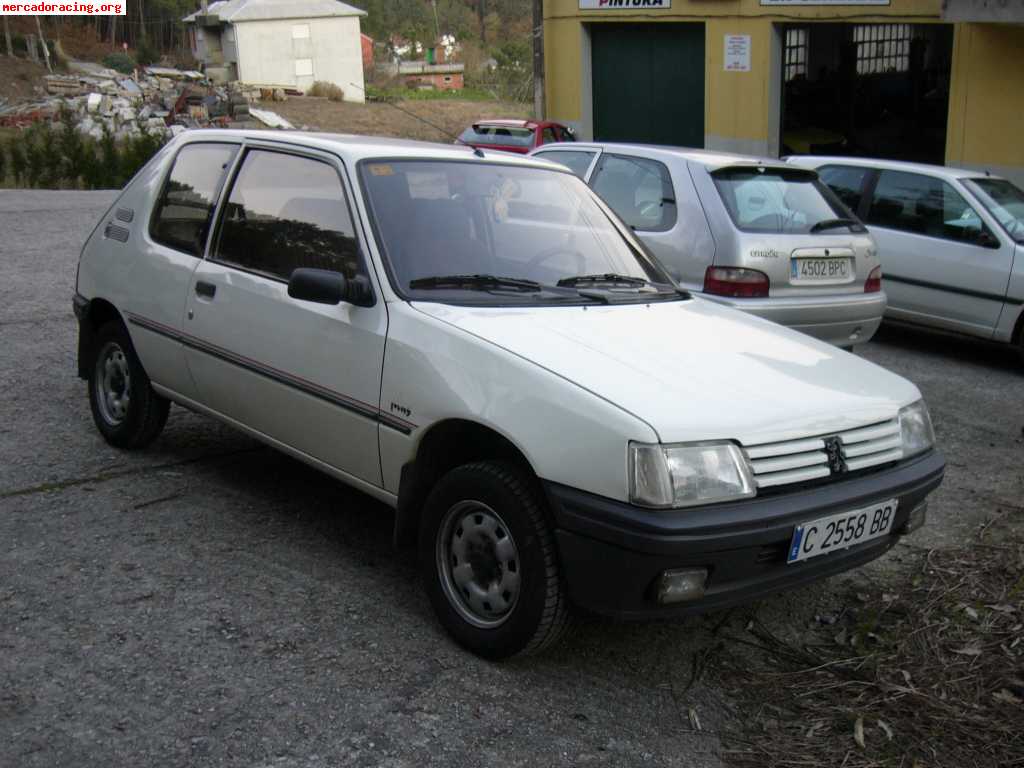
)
(735, 281)
(874, 282)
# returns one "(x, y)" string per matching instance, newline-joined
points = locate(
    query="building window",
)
(303, 67)
(882, 48)
(300, 31)
(796, 52)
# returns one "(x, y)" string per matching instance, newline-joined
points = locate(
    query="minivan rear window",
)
(776, 200)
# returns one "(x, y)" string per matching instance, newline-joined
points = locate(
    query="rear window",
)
(775, 200)
(498, 135)
(181, 218)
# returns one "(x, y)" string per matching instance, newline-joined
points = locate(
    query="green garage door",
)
(649, 83)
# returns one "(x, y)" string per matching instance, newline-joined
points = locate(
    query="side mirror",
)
(323, 286)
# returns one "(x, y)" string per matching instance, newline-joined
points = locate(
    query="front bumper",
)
(840, 319)
(612, 553)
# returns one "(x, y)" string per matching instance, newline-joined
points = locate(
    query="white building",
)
(280, 43)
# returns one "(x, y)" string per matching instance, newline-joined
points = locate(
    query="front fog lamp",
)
(916, 429)
(688, 474)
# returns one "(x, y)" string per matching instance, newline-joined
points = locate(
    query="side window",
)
(575, 161)
(638, 190)
(846, 181)
(286, 212)
(549, 135)
(181, 218)
(923, 205)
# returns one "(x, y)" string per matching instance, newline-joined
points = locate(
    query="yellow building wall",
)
(741, 108)
(986, 99)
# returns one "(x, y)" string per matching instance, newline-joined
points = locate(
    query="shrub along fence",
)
(58, 156)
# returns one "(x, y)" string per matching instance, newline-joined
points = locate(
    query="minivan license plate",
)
(836, 532)
(815, 270)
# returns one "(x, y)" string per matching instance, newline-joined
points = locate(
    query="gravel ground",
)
(212, 602)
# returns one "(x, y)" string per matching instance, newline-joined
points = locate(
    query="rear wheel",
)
(489, 563)
(126, 410)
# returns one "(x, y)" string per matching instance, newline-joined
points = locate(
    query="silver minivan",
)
(952, 241)
(753, 233)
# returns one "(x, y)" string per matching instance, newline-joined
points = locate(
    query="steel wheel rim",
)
(478, 564)
(113, 384)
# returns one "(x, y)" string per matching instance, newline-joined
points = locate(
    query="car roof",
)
(941, 171)
(709, 158)
(354, 148)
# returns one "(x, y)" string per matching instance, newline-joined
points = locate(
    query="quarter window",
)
(846, 181)
(575, 161)
(287, 212)
(639, 190)
(181, 219)
(923, 205)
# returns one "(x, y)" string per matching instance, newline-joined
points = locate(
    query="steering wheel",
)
(547, 253)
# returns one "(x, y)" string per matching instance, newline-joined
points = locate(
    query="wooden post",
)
(538, 59)
(7, 37)
(42, 41)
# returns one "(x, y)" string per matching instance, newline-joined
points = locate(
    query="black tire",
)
(506, 499)
(134, 421)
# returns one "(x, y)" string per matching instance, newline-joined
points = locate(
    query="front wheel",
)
(126, 410)
(489, 563)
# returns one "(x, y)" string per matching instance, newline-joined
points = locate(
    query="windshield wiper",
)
(853, 224)
(607, 277)
(471, 282)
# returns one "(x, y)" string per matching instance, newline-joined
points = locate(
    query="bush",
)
(146, 53)
(59, 156)
(119, 61)
(323, 88)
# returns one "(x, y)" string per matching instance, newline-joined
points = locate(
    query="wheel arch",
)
(448, 444)
(97, 313)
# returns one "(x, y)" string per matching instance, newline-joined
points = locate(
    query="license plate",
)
(846, 529)
(819, 270)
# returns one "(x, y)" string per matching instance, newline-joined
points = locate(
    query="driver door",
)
(304, 374)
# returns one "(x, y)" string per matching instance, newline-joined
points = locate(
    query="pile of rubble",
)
(155, 100)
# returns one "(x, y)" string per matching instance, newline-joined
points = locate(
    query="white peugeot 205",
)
(477, 340)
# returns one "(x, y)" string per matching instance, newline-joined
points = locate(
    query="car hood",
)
(694, 370)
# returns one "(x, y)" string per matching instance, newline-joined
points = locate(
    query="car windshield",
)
(483, 232)
(497, 135)
(1004, 201)
(776, 200)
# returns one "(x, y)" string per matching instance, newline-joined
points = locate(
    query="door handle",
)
(209, 290)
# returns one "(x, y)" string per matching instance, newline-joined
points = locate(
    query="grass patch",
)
(926, 671)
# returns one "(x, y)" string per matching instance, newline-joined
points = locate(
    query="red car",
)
(514, 135)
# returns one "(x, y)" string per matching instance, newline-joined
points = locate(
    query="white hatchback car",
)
(951, 241)
(476, 340)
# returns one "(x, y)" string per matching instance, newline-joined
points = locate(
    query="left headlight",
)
(916, 429)
(683, 475)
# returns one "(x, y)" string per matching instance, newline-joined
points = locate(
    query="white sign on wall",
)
(737, 53)
(615, 5)
(824, 2)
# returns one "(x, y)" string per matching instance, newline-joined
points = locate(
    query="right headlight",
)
(916, 431)
(686, 474)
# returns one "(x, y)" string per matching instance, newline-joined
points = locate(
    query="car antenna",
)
(476, 150)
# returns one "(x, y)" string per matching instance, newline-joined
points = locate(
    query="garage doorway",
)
(648, 83)
(869, 90)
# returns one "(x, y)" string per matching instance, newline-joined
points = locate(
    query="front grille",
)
(803, 459)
